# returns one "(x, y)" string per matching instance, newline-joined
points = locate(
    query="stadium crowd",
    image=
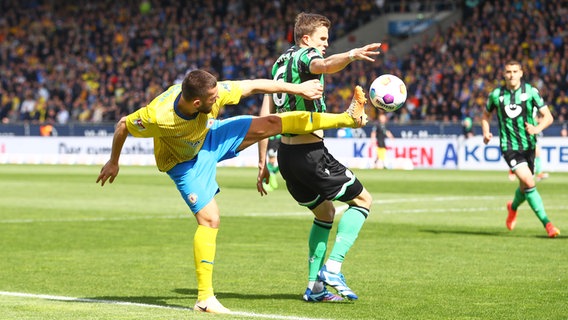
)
(94, 61)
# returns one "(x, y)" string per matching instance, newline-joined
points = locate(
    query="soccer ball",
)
(388, 92)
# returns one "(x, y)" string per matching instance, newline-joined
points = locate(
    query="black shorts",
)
(514, 158)
(313, 175)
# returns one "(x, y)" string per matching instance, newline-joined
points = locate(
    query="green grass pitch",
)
(435, 246)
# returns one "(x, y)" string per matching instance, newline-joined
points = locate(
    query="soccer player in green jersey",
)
(313, 176)
(272, 163)
(517, 105)
(189, 141)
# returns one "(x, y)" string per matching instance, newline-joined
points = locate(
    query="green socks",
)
(535, 201)
(518, 199)
(537, 165)
(317, 245)
(347, 231)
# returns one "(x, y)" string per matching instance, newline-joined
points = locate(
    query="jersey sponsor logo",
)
(513, 110)
(138, 123)
(226, 86)
(192, 197)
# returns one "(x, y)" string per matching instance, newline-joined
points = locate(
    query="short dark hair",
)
(514, 63)
(307, 23)
(196, 84)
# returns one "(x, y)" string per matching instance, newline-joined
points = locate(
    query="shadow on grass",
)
(489, 233)
(240, 295)
(147, 301)
(190, 294)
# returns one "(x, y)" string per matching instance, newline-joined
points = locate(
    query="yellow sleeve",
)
(230, 92)
(142, 123)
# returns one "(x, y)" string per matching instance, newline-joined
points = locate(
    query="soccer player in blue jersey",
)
(313, 176)
(189, 141)
(517, 105)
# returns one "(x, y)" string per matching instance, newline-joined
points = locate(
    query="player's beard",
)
(205, 108)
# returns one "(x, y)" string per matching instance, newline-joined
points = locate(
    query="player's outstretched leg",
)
(357, 107)
(303, 122)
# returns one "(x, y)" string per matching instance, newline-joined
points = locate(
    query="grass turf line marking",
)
(145, 305)
(73, 299)
(339, 210)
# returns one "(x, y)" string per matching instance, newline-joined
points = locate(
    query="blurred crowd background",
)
(95, 61)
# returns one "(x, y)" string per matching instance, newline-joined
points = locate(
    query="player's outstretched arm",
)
(339, 61)
(110, 169)
(311, 89)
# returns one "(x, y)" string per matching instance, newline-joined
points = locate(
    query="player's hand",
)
(368, 52)
(263, 177)
(311, 89)
(108, 171)
(487, 137)
(531, 129)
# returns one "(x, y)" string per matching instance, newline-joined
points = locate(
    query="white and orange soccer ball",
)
(388, 92)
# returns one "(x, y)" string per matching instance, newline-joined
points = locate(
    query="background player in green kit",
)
(313, 176)
(189, 141)
(517, 105)
(272, 163)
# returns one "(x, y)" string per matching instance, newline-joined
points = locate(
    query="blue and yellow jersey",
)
(177, 138)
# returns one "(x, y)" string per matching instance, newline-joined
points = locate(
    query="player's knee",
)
(365, 199)
(274, 124)
(266, 126)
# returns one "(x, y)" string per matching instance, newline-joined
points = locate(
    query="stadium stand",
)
(93, 61)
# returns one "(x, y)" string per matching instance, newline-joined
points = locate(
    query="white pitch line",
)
(339, 210)
(145, 305)
(73, 299)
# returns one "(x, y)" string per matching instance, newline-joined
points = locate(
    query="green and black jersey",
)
(293, 66)
(514, 108)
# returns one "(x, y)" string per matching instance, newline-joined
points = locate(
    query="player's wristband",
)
(352, 54)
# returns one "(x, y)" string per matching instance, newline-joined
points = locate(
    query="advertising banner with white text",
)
(434, 153)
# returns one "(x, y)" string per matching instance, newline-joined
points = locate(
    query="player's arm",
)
(544, 121)
(110, 169)
(263, 174)
(339, 61)
(311, 89)
(485, 126)
(487, 115)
